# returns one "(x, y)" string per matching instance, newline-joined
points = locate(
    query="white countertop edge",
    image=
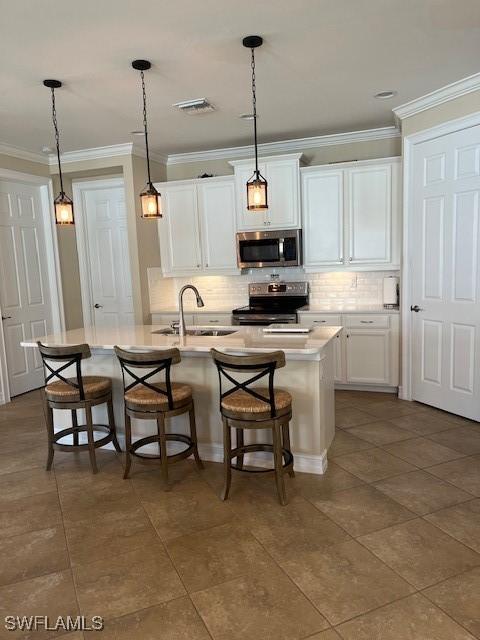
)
(310, 352)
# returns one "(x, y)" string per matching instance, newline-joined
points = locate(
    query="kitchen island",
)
(308, 376)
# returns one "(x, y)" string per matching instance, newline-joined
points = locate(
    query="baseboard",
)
(366, 387)
(303, 462)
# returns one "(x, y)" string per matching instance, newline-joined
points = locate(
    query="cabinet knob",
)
(206, 264)
(198, 266)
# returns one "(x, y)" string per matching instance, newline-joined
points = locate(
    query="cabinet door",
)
(216, 206)
(322, 200)
(219, 319)
(283, 194)
(248, 220)
(178, 230)
(338, 374)
(368, 356)
(370, 214)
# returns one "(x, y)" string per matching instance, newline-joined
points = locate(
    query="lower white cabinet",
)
(197, 231)
(367, 353)
(194, 319)
(367, 350)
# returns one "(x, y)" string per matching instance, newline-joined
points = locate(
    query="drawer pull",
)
(366, 321)
(211, 321)
(318, 321)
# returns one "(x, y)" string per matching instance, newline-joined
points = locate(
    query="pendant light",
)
(257, 200)
(149, 197)
(63, 204)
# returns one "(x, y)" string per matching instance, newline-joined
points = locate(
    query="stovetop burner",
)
(273, 301)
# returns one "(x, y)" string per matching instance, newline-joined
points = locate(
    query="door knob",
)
(6, 317)
(415, 308)
(98, 306)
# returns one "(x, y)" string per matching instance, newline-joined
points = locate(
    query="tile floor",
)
(384, 546)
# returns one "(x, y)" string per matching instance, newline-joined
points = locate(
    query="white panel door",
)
(108, 256)
(370, 214)
(178, 230)
(24, 287)
(444, 241)
(248, 220)
(283, 194)
(322, 203)
(216, 207)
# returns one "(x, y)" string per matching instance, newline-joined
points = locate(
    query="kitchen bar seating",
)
(72, 393)
(245, 407)
(146, 399)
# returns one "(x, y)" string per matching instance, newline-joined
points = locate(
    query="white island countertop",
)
(244, 338)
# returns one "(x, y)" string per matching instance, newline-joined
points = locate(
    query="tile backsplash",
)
(346, 290)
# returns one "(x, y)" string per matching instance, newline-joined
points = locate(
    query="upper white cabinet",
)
(283, 177)
(351, 215)
(197, 231)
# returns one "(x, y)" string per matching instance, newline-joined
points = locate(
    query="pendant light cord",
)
(145, 125)
(254, 102)
(57, 140)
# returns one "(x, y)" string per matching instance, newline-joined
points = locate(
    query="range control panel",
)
(278, 289)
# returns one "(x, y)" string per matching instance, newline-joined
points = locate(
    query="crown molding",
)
(286, 146)
(23, 154)
(111, 151)
(439, 96)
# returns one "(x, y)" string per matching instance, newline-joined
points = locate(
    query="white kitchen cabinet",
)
(328, 320)
(367, 356)
(197, 231)
(367, 351)
(216, 207)
(322, 206)
(168, 318)
(179, 230)
(224, 319)
(351, 216)
(370, 214)
(282, 175)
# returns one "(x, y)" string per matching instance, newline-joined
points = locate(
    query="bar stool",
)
(156, 401)
(243, 407)
(78, 392)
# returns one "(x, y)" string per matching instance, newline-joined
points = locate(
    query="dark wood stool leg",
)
(75, 426)
(286, 443)
(278, 462)
(163, 449)
(193, 435)
(111, 424)
(48, 411)
(227, 446)
(91, 443)
(240, 442)
(128, 444)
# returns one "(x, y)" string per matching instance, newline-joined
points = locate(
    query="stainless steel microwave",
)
(257, 249)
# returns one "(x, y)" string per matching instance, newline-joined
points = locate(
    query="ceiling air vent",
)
(194, 107)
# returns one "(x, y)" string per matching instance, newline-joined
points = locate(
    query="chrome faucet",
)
(200, 303)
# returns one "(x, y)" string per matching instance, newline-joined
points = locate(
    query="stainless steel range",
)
(272, 302)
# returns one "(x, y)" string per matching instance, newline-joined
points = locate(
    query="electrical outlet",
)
(353, 282)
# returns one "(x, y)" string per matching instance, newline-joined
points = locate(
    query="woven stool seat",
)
(93, 387)
(181, 394)
(243, 402)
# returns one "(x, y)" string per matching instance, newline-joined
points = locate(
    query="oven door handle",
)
(281, 243)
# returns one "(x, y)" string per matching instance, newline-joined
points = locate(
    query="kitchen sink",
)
(195, 332)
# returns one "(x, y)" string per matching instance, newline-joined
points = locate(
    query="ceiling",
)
(317, 71)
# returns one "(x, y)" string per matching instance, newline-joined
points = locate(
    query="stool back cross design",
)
(72, 393)
(150, 400)
(245, 407)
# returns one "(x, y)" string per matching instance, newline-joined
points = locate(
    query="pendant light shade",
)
(63, 209)
(149, 197)
(62, 203)
(257, 186)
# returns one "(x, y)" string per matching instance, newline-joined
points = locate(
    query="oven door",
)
(263, 320)
(257, 249)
